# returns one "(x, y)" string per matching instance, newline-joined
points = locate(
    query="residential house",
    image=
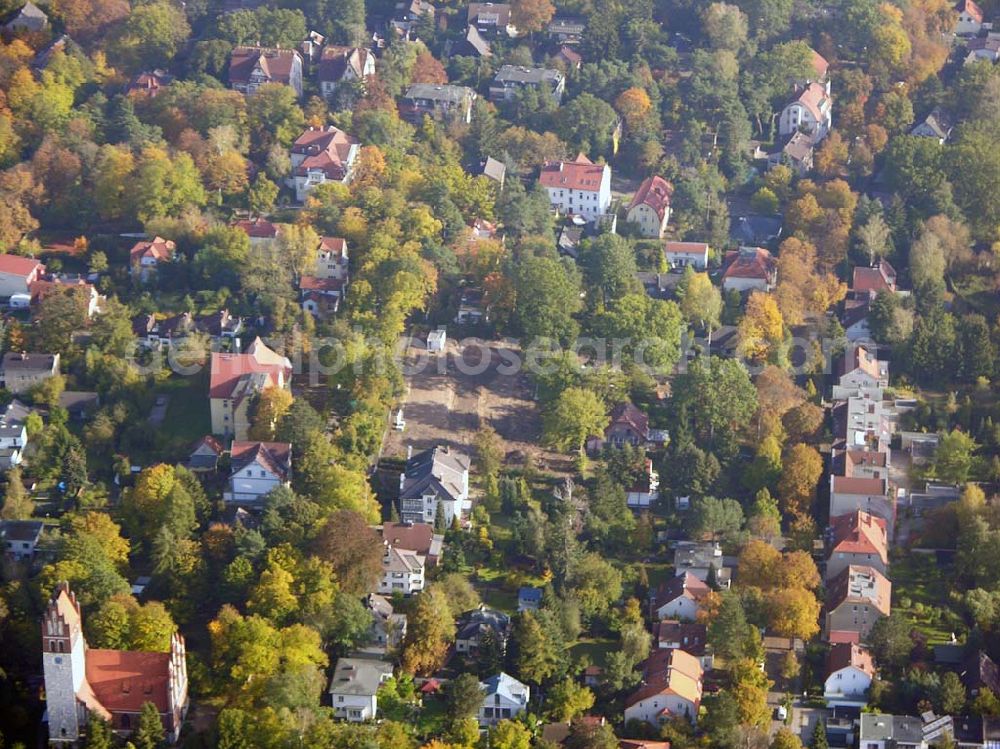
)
(220, 326)
(857, 538)
(512, 79)
(419, 537)
(343, 65)
(797, 152)
(473, 44)
(682, 254)
(473, 625)
(691, 637)
(679, 598)
(569, 57)
(354, 688)
(29, 18)
(437, 341)
(408, 14)
(854, 320)
(862, 422)
(871, 464)
(388, 628)
(868, 282)
(21, 371)
(321, 155)
(754, 229)
(439, 101)
(472, 307)
(402, 571)
(50, 284)
(331, 259)
(579, 187)
(566, 29)
(320, 296)
(861, 374)
(259, 229)
(146, 256)
(558, 733)
(978, 672)
(749, 269)
(504, 698)
(79, 404)
(17, 273)
(20, 538)
(149, 83)
(528, 599)
(252, 67)
(857, 598)
(849, 673)
(257, 469)
(704, 560)
(13, 433)
(935, 125)
(111, 684)
(205, 454)
(645, 491)
(235, 379)
(495, 170)
(810, 111)
(970, 18)
(983, 49)
(63, 43)
(627, 425)
(493, 19)
(671, 687)
(849, 494)
(650, 207)
(821, 72)
(886, 731)
(433, 478)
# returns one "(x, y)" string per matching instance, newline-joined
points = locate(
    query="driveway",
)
(159, 410)
(803, 718)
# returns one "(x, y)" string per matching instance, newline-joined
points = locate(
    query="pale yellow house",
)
(236, 378)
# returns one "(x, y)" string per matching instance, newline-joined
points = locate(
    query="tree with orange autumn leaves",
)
(787, 583)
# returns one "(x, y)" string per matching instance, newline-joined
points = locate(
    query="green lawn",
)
(188, 414)
(595, 649)
(919, 585)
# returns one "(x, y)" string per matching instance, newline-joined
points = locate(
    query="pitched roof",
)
(476, 40)
(858, 485)
(685, 248)
(628, 414)
(209, 443)
(492, 13)
(336, 61)
(327, 150)
(359, 676)
(228, 369)
(258, 228)
(570, 55)
(861, 358)
(971, 8)
(854, 458)
(879, 277)
(642, 744)
(21, 530)
(846, 654)
(655, 192)
(274, 456)
(418, 537)
(859, 533)
(860, 584)
(691, 636)
(439, 92)
(813, 97)
(670, 671)
(749, 262)
(16, 265)
(579, 174)
(157, 248)
(979, 670)
(122, 680)
(686, 585)
(799, 146)
(324, 285)
(820, 64)
(336, 246)
(402, 560)
(506, 686)
(21, 361)
(149, 82)
(438, 469)
(276, 64)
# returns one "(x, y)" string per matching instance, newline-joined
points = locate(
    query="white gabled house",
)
(257, 468)
(849, 674)
(504, 698)
(432, 477)
(402, 571)
(578, 187)
(811, 111)
(354, 688)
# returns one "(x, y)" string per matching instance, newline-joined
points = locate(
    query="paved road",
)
(803, 718)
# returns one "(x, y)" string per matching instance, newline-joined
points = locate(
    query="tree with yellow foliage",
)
(762, 328)
(800, 473)
(802, 288)
(634, 106)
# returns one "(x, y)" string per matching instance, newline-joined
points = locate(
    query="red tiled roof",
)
(227, 369)
(840, 635)
(258, 228)
(859, 533)
(158, 248)
(275, 63)
(209, 441)
(682, 585)
(812, 98)
(579, 174)
(325, 285)
(43, 287)
(861, 358)
(819, 63)
(570, 55)
(860, 584)
(413, 536)
(670, 672)
(16, 265)
(845, 654)
(335, 61)
(691, 635)
(685, 247)
(326, 150)
(122, 680)
(654, 192)
(880, 277)
(749, 262)
(334, 245)
(276, 456)
(627, 413)
(858, 485)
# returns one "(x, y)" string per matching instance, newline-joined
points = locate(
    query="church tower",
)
(64, 663)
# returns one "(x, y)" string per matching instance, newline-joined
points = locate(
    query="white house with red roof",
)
(650, 207)
(849, 674)
(146, 256)
(257, 468)
(578, 187)
(17, 273)
(970, 18)
(236, 378)
(671, 687)
(339, 65)
(679, 598)
(113, 684)
(320, 155)
(859, 538)
(682, 254)
(811, 110)
(749, 269)
(259, 229)
(252, 67)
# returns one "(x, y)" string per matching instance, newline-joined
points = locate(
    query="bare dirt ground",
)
(450, 395)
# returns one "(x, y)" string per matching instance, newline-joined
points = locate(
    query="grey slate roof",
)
(359, 676)
(521, 74)
(437, 471)
(436, 92)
